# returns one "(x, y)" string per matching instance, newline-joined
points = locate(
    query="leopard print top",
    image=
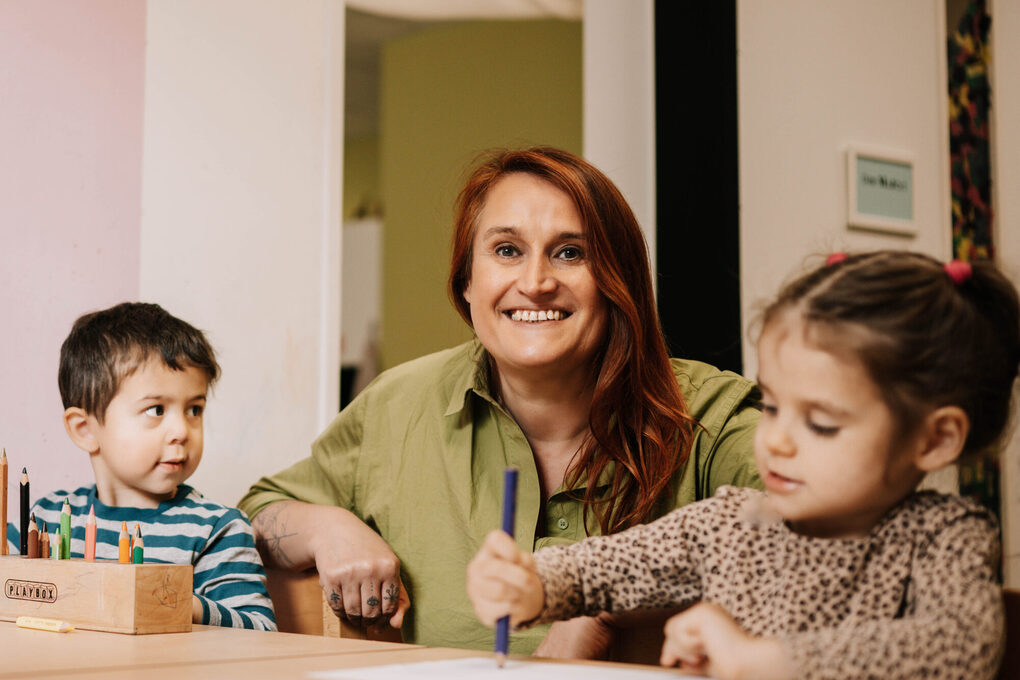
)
(916, 598)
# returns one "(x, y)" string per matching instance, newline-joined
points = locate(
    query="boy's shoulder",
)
(191, 501)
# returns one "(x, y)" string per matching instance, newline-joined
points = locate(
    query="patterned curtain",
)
(969, 104)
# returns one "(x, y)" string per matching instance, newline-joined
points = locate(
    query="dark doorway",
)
(698, 231)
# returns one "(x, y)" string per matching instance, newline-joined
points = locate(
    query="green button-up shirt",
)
(419, 456)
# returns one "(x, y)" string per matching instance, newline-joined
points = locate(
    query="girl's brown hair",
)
(925, 340)
(638, 416)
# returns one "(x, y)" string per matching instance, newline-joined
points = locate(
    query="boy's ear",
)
(945, 433)
(79, 428)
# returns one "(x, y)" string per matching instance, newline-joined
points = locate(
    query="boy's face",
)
(151, 438)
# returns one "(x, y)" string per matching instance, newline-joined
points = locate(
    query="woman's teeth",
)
(532, 315)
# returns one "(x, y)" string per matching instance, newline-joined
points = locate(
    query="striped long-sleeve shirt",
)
(229, 578)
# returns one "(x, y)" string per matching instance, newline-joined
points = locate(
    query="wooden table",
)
(206, 653)
(28, 653)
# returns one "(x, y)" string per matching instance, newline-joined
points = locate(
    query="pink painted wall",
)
(72, 77)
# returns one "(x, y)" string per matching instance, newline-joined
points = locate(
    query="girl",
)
(875, 369)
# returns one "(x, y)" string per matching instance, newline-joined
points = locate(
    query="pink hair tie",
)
(834, 258)
(958, 270)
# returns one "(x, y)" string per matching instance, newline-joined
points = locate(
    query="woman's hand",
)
(502, 581)
(706, 640)
(358, 571)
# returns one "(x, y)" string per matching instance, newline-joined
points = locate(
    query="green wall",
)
(447, 95)
(361, 176)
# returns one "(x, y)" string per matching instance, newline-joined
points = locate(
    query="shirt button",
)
(562, 524)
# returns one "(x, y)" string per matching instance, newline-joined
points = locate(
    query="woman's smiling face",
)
(534, 302)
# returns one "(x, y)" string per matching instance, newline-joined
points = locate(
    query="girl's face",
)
(534, 302)
(825, 443)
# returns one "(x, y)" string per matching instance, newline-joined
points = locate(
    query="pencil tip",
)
(24, 470)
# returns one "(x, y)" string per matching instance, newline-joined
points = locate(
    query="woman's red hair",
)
(638, 416)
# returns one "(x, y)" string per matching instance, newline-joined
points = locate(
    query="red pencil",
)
(90, 535)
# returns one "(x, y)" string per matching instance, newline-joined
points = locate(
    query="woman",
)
(568, 379)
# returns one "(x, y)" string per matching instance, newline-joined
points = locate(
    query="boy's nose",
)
(176, 430)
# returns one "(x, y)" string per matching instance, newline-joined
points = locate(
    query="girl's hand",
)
(502, 580)
(706, 640)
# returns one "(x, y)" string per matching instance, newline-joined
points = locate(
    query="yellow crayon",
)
(52, 625)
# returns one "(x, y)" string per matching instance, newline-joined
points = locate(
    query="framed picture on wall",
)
(880, 190)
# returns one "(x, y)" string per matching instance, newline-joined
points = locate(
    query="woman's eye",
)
(154, 411)
(570, 253)
(769, 410)
(506, 251)
(195, 410)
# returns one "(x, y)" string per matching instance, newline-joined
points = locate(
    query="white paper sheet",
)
(485, 669)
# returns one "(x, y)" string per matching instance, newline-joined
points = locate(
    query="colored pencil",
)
(52, 625)
(55, 545)
(137, 546)
(44, 541)
(90, 535)
(123, 545)
(33, 538)
(24, 510)
(3, 503)
(65, 530)
(502, 645)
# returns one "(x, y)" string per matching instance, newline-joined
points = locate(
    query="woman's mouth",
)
(533, 315)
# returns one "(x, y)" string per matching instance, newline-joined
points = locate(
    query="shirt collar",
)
(476, 381)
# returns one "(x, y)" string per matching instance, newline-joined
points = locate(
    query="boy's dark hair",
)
(105, 347)
(925, 340)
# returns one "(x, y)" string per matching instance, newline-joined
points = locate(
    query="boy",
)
(133, 380)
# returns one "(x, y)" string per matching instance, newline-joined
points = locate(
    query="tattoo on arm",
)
(270, 530)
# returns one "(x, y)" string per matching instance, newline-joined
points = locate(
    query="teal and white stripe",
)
(188, 529)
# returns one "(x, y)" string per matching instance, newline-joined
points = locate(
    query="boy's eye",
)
(195, 410)
(156, 410)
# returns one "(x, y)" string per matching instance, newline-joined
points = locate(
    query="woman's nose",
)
(537, 277)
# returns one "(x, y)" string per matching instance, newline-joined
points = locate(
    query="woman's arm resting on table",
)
(358, 571)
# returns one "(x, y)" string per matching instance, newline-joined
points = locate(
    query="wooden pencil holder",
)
(100, 595)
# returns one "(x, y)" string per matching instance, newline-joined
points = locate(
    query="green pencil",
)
(65, 531)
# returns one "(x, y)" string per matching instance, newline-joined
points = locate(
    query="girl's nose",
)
(777, 438)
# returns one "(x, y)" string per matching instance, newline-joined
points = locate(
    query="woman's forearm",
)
(286, 532)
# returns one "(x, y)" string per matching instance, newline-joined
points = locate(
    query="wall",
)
(448, 94)
(241, 216)
(1006, 163)
(71, 88)
(869, 72)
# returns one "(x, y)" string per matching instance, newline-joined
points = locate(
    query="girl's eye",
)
(154, 411)
(570, 253)
(769, 409)
(506, 250)
(195, 410)
(823, 430)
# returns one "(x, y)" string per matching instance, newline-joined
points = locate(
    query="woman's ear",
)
(79, 426)
(945, 433)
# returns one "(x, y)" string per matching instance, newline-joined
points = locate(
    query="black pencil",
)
(24, 511)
